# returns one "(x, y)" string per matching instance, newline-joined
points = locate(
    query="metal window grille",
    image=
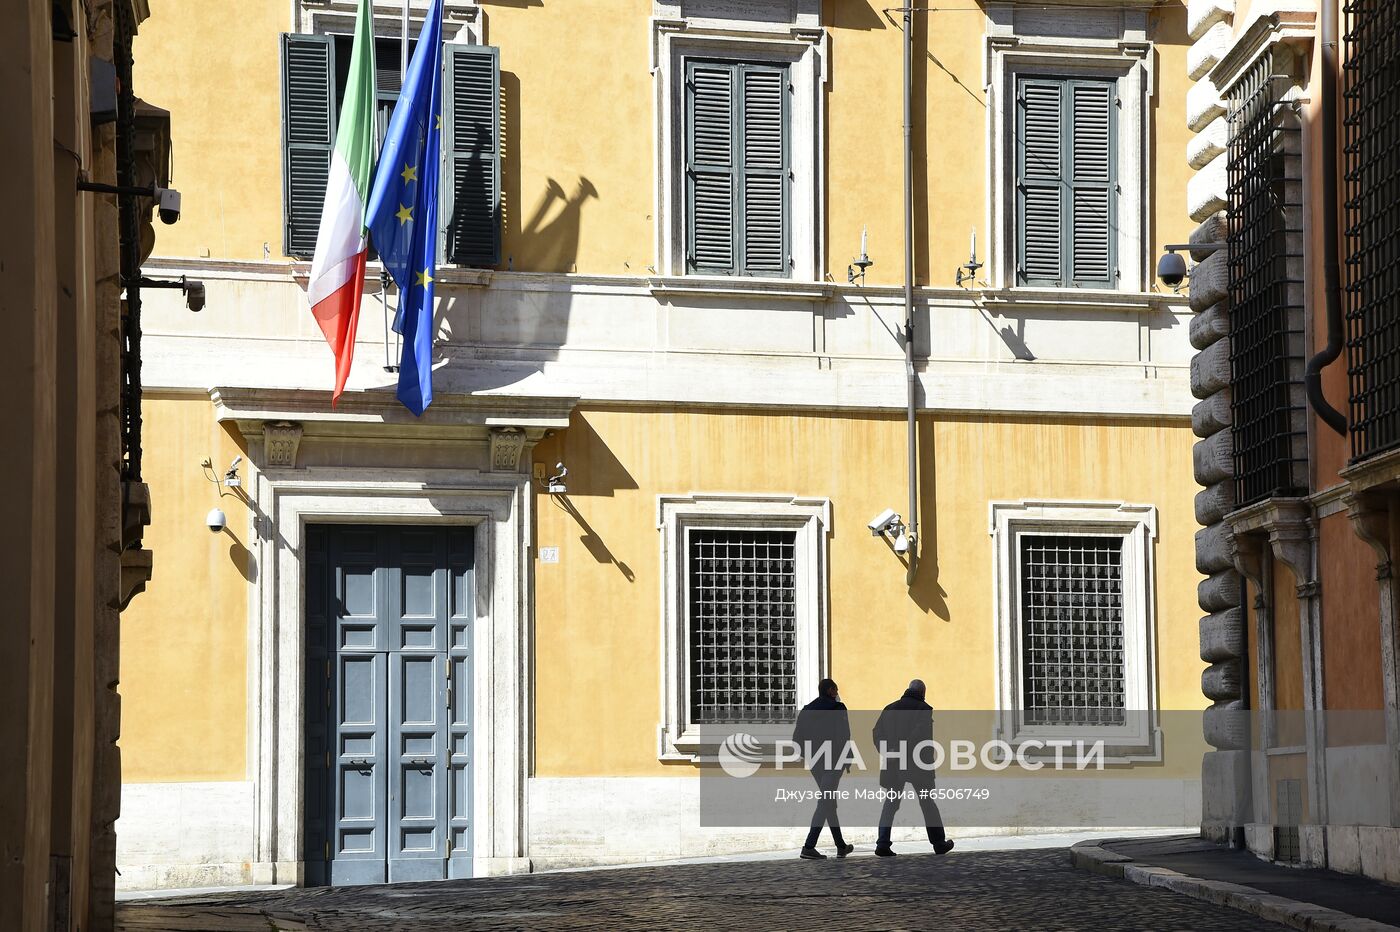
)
(1072, 630)
(743, 626)
(1372, 153)
(1266, 302)
(1287, 843)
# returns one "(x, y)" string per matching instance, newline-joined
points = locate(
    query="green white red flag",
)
(338, 265)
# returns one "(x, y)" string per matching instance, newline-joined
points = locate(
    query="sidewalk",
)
(1303, 898)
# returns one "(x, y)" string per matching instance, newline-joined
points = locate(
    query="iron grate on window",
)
(1072, 630)
(1269, 428)
(1372, 153)
(743, 626)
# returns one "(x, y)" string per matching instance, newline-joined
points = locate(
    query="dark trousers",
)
(827, 781)
(933, 819)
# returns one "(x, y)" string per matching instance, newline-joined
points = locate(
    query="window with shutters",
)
(736, 169)
(314, 74)
(1074, 597)
(744, 618)
(1066, 186)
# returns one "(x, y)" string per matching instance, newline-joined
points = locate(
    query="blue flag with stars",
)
(403, 209)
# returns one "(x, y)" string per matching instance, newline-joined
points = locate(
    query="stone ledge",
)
(1093, 857)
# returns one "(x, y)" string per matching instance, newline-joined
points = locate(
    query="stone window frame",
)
(1017, 49)
(678, 739)
(802, 47)
(1140, 739)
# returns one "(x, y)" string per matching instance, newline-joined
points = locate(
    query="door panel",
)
(388, 703)
(461, 611)
(360, 806)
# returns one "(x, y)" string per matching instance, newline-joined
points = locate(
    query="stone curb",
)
(1092, 857)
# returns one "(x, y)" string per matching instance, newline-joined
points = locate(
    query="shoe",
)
(943, 847)
(884, 852)
(843, 850)
(811, 854)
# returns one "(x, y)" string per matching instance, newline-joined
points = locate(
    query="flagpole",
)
(403, 79)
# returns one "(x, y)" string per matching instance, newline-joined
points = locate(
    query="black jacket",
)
(823, 721)
(907, 721)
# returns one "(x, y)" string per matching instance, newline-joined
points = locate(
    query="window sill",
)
(451, 275)
(702, 286)
(1078, 299)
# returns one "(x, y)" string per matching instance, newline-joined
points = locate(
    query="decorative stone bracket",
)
(280, 442)
(1288, 526)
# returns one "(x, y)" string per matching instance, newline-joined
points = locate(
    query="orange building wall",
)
(1351, 634)
(1288, 644)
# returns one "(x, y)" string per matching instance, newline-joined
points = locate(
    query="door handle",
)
(360, 764)
(421, 764)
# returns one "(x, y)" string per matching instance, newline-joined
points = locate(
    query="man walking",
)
(902, 727)
(823, 731)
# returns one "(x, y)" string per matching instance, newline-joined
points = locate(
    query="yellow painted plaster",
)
(597, 622)
(184, 640)
(578, 164)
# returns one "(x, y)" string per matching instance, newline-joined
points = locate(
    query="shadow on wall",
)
(547, 240)
(594, 471)
(852, 14)
(927, 592)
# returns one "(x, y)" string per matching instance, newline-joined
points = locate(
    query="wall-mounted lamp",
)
(967, 272)
(858, 266)
(554, 485)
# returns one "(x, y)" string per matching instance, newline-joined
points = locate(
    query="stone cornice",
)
(1380, 473)
(378, 415)
(1287, 25)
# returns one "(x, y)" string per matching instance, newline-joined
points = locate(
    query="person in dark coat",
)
(902, 726)
(822, 731)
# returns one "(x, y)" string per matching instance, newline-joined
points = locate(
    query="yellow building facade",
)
(691, 404)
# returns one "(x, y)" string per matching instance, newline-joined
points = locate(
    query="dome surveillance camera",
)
(1171, 269)
(216, 520)
(169, 204)
(194, 295)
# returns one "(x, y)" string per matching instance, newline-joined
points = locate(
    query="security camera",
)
(883, 522)
(194, 295)
(216, 520)
(901, 543)
(1171, 269)
(554, 485)
(169, 207)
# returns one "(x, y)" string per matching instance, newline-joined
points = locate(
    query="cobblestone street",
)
(977, 890)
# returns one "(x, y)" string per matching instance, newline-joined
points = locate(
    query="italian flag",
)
(338, 265)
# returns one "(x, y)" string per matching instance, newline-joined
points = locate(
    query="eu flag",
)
(403, 209)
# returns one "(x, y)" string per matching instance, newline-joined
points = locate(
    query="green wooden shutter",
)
(308, 135)
(1039, 191)
(711, 189)
(765, 171)
(1092, 204)
(471, 148)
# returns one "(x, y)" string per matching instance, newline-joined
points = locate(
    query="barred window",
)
(743, 625)
(1372, 141)
(1266, 289)
(1074, 608)
(1072, 629)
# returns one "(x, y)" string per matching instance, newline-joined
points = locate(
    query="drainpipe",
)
(1331, 223)
(910, 376)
